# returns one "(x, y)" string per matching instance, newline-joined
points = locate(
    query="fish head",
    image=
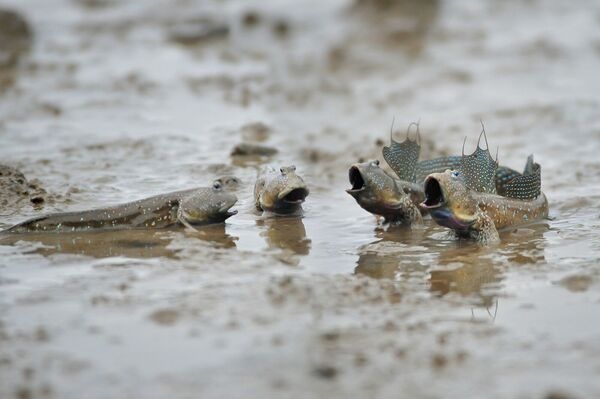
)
(283, 191)
(449, 201)
(376, 191)
(208, 205)
(229, 182)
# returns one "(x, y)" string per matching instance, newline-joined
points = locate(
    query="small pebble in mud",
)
(41, 334)
(439, 361)
(277, 340)
(315, 155)
(281, 28)
(325, 371)
(15, 38)
(51, 109)
(199, 31)
(23, 393)
(576, 283)
(165, 317)
(251, 18)
(256, 131)
(244, 149)
(558, 395)
(390, 326)
(360, 360)
(28, 373)
(96, 3)
(330, 336)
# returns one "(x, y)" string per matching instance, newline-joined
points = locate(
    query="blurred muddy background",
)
(106, 101)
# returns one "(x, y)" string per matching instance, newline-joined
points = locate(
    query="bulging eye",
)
(217, 185)
(455, 173)
(376, 162)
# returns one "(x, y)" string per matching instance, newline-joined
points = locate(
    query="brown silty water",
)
(117, 101)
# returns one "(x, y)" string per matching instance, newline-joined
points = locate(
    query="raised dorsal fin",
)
(403, 157)
(503, 176)
(526, 186)
(479, 168)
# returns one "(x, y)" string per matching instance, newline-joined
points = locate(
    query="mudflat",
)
(113, 101)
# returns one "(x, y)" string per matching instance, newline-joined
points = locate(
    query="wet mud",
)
(16, 190)
(103, 102)
(16, 39)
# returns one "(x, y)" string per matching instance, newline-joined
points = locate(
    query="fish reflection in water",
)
(452, 266)
(287, 234)
(135, 243)
(525, 245)
(395, 254)
(467, 272)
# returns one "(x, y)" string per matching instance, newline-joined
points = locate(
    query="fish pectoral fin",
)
(412, 213)
(485, 230)
(183, 221)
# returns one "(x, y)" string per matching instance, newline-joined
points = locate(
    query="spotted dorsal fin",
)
(479, 168)
(528, 185)
(403, 157)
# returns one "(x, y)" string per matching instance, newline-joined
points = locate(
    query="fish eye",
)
(281, 170)
(217, 185)
(455, 173)
(376, 162)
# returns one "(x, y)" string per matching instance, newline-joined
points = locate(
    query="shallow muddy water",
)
(116, 101)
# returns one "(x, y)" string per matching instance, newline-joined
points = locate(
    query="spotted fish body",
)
(461, 200)
(398, 199)
(280, 191)
(381, 194)
(190, 207)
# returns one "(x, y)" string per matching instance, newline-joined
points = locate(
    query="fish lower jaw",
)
(444, 217)
(226, 208)
(353, 191)
(293, 196)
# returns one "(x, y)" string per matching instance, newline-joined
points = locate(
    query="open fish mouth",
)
(294, 196)
(434, 195)
(436, 204)
(226, 210)
(356, 179)
(231, 213)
